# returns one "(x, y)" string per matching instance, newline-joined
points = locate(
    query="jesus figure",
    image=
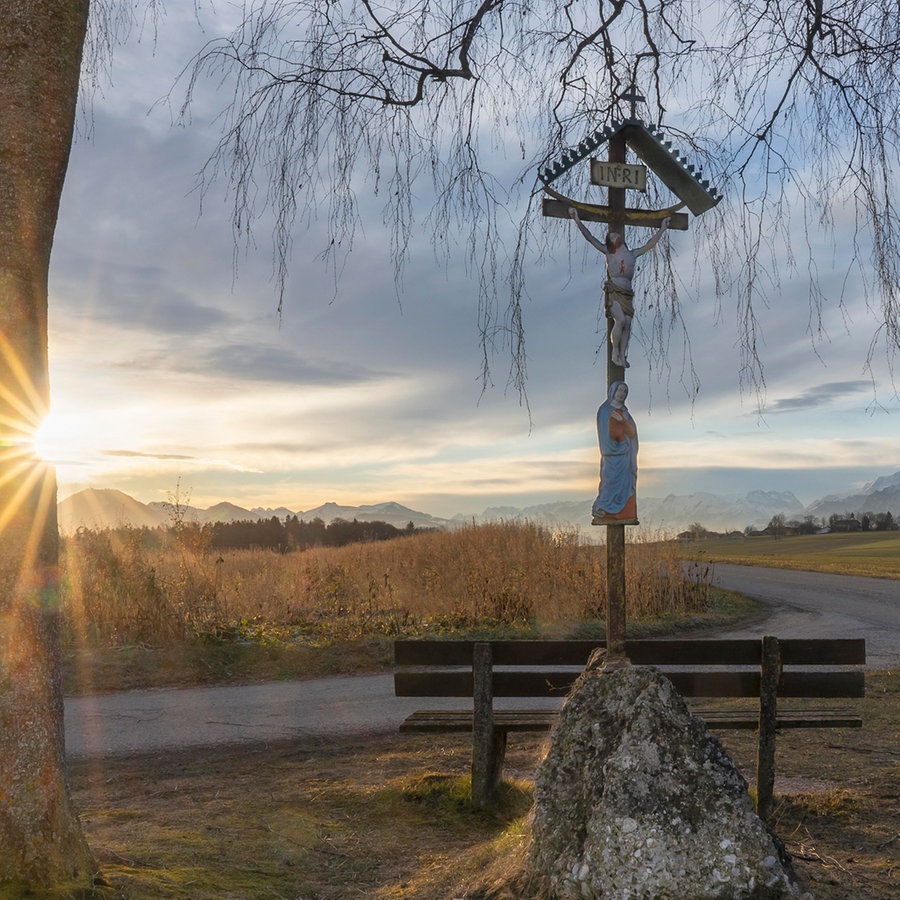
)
(620, 262)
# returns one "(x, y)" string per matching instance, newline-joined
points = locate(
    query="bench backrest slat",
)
(822, 651)
(739, 652)
(688, 684)
(433, 684)
(822, 684)
(576, 653)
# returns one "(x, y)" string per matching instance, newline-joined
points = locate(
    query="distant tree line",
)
(780, 525)
(282, 536)
(294, 533)
(883, 521)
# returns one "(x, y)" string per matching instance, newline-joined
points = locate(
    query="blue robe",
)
(618, 458)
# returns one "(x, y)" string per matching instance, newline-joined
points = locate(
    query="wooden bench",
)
(766, 670)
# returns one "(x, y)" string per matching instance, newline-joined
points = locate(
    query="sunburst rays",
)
(27, 483)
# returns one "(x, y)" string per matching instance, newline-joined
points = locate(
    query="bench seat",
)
(462, 721)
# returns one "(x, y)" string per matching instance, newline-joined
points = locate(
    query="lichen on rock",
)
(636, 799)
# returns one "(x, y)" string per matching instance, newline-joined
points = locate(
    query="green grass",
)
(875, 554)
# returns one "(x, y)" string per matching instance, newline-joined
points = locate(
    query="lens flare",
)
(50, 440)
(27, 484)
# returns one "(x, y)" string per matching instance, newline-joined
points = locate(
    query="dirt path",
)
(813, 604)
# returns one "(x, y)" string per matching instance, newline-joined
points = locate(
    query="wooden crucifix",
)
(616, 504)
(615, 374)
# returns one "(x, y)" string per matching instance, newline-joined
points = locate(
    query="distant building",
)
(845, 524)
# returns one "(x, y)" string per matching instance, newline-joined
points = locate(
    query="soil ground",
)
(385, 816)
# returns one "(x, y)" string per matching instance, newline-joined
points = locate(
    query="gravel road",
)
(800, 604)
(812, 604)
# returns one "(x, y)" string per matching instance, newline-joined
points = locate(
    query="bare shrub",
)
(117, 590)
(110, 592)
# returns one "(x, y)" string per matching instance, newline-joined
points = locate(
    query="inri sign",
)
(618, 175)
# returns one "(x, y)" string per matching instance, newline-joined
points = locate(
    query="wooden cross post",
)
(615, 534)
(692, 192)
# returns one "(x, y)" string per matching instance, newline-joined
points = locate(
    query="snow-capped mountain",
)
(106, 508)
(668, 514)
(880, 495)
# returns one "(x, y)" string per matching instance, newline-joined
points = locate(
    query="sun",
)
(53, 439)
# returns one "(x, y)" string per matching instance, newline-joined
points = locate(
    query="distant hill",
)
(716, 512)
(879, 484)
(221, 512)
(393, 513)
(280, 512)
(107, 508)
(225, 512)
(720, 513)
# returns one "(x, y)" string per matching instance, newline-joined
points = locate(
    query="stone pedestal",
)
(636, 799)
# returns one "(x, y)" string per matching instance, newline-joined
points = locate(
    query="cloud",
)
(252, 362)
(152, 307)
(358, 394)
(820, 395)
(140, 455)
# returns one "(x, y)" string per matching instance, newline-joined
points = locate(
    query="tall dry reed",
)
(514, 575)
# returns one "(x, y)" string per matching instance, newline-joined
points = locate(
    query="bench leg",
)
(487, 768)
(765, 778)
(488, 744)
(770, 675)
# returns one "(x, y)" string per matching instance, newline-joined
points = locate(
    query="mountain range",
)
(109, 508)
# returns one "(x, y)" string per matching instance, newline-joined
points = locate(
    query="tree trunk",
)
(42, 850)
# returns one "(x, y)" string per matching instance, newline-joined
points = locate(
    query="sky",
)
(172, 373)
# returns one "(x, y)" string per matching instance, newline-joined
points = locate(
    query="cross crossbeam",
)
(633, 97)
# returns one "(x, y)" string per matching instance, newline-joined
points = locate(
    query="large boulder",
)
(635, 799)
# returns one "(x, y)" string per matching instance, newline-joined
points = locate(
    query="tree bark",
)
(42, 849)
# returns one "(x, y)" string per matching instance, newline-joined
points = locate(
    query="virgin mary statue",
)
(616, 503)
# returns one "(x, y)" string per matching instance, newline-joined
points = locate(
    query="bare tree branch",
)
(791, 107)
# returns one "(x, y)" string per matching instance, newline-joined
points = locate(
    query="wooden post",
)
(615, 592)
(488, 745)
(770, 676)
(615, 534)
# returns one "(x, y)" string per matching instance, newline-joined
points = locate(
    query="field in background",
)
(140, 612)
(874, 553)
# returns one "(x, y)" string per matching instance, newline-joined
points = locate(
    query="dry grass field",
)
(138, 614)
(120, 589)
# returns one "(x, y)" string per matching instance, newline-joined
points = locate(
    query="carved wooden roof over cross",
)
(648, 143)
